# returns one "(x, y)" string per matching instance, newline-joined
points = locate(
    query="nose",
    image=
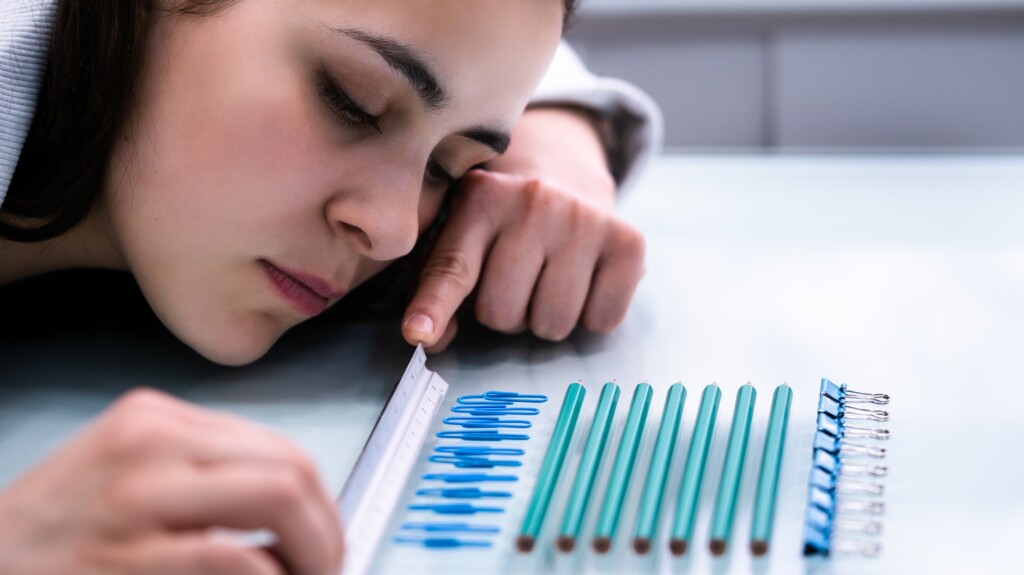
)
(378, 217)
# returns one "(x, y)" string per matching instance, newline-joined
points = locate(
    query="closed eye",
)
(343, 106)
(435, 174)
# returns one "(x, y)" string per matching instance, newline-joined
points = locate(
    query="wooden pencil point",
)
(717, 547)
(758, 548)
(602, 544)
(642, 545)
(677, 546)
(566, 544)
(525, 543)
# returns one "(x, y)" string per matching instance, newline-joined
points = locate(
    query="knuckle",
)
(503, 318)
(283, 489)
(139, 433)
(602, 321)
(553, 328)
(142, 398)
(304, 466)
(537, 198)
(449, 265)
(631, 241)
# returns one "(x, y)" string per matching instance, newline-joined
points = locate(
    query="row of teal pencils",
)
(649, 513)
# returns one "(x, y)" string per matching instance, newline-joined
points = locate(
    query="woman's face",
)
(280, 152)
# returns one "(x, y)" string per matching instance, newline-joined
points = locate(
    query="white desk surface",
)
(902, 275)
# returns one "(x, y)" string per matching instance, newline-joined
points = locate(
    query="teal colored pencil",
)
(551, 467)
(732, 470)
(622, 469)
(590, 462)
(661, 459)
(693, 472)
(771, 463)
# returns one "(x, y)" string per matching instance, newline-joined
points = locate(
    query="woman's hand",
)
(535, 234)
(137, 490)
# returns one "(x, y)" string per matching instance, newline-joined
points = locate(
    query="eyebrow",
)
(404, 60)
(496, 140)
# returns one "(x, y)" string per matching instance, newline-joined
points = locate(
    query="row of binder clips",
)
(844, 503)
(461, 490)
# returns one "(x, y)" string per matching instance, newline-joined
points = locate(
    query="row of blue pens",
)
(474, 485)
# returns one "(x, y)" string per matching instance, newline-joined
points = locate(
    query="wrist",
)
(561, 145)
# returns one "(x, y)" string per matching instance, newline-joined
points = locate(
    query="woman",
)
(262, 158)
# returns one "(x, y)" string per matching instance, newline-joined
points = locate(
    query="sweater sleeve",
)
(25, 29)
(634, 121)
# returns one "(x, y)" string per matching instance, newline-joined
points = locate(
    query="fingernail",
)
(420, 323)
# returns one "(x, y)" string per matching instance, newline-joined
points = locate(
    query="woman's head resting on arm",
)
(277, 153)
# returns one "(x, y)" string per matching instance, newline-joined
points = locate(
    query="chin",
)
(241, 345)
(233, 355)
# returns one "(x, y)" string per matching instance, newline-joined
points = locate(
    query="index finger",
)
(450, 274)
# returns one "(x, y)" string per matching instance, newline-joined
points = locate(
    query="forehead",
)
(488, 55)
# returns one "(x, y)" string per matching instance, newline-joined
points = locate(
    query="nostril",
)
(359, 234)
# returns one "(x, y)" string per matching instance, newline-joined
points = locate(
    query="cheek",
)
(211, 183)
(430, 205)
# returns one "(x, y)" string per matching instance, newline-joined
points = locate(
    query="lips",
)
(307, 294)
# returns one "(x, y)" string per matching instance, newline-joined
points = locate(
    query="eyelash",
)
(352, 114)
(344, 107)
(437, 174)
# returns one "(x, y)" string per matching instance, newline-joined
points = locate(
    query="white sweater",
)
(26, 25)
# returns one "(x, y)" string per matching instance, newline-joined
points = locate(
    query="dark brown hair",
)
(94, 59)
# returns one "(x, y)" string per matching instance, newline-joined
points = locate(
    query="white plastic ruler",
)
(380, 474)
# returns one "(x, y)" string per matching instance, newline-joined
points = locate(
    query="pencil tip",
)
(677, 546)
(758, 547)
(642, 545)
(566, 543)
(525, 543)
(717, 547)
(602, 544)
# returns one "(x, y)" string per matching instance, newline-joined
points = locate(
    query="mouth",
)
(307, 294)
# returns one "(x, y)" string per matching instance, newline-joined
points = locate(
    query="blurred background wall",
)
(818, 73)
